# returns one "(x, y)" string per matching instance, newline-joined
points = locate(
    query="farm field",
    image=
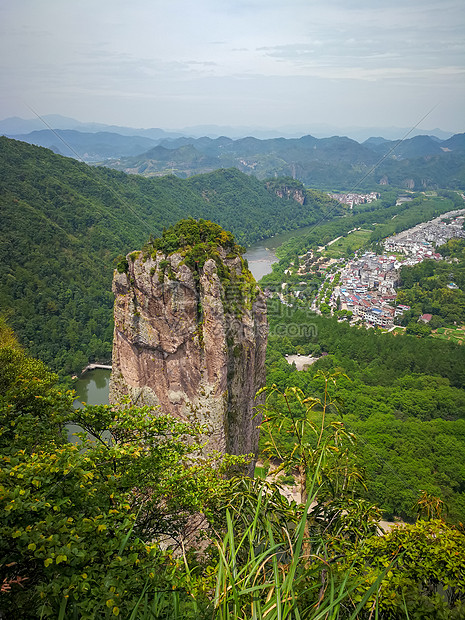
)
(453, 334)
(353, 240)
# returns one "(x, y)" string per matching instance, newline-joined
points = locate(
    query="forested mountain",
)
(63, 224)
(422, 162)
(420, 146)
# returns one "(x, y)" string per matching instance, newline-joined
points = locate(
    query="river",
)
(261, 255)
(92, 388)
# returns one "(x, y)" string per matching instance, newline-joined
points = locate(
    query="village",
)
(351, 199)
(365, 286)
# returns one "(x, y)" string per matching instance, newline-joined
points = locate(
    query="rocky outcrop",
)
(285, 191)
(288, 189)
(191, 339)
(289, 192)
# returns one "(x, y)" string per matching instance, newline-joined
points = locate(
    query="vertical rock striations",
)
(190, 333)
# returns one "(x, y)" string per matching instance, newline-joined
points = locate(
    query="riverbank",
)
(94, 366)
(261, 256)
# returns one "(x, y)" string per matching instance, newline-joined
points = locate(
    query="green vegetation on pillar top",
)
(198, 241)
(189, 233)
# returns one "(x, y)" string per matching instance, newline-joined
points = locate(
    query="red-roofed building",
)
(426, 318)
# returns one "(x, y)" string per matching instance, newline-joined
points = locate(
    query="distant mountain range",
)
(88, 147)
(422, 162)
(16, 126)
(419, 162)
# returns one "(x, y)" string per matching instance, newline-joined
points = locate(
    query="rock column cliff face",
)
(192, 340)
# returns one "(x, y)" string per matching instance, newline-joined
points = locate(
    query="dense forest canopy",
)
(403, 397)
(102, 528)
(186, 234)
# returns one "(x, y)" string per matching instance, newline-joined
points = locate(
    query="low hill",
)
(455, 143)
(63, 224)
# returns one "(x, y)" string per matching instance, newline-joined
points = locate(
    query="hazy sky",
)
(268, 63)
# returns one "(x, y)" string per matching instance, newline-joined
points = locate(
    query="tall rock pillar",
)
(191, 332)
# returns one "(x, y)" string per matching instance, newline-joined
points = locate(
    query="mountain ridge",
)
(421, 162)
(320, 130)
(85, 145)
(333, 163)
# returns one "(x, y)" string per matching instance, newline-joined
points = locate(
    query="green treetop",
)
(189, 233)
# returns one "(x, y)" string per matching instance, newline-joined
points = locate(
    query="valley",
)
(232, 310)
(381, 415)
(85, 218)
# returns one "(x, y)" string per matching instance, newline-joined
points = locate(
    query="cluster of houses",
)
(352, 199)
(367, 288)
(418, 243)
(367, 283)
